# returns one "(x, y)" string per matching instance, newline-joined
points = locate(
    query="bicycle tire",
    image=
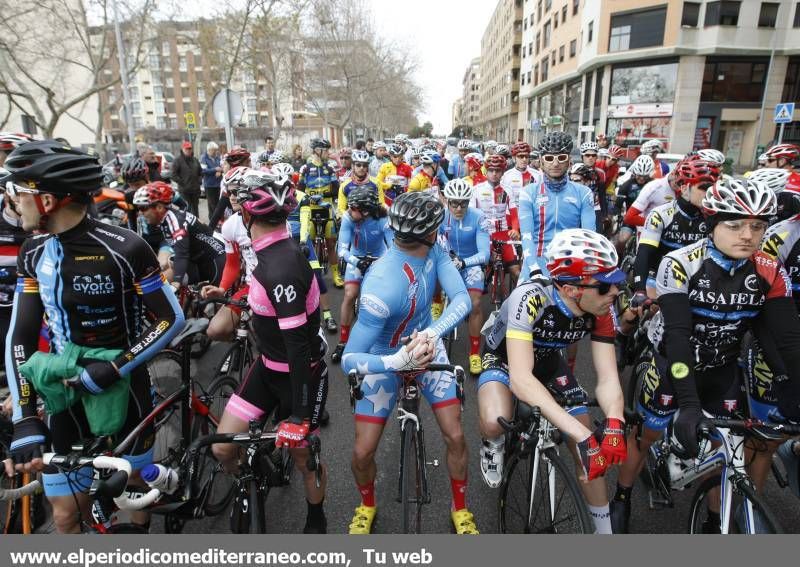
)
(165, 378)
(518, 479)
(411, 493)
(766, 521)
(633, 389)
(235, 361)
(218, 485)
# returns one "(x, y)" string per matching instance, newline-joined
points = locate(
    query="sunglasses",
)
(15, 190)
(602, 288)
(590, 155)
(551, 158)
(458, 204)
(520, 156)
(738, 225)
(357, 164)
(772, 160)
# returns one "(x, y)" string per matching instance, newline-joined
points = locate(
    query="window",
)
(576, 4)
(547, 5)
(573, 47)
(538, 37)
(598, 87)
(182, 63)
(170, 82)
(546, 37)
(555, 20)
(154, 62)
(539, 11)
(535, 75)
(553, 58)
(691, 14)
(525, 25)
(529, 77)
(768, 15)
(561, 54)
(545, 65)
(165, 46)
(158, 92)
(590, 33)
(201, 94)
(634, 30)
(722, 13)
(734, 80)
(654, 83)
(564, 14)
(161, 122)
(797, 16)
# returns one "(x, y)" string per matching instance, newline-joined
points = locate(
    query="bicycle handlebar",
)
(750, 425)
(225, 301)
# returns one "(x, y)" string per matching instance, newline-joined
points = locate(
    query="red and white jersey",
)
(514, 180)
(496, 204)
(236, 239)
(654, 194)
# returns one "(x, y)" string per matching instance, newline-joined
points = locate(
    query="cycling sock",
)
(367, 494)
(344, 333)
(623, 493)
(459, 490)
(316, 513)
(474, 345)
(326, 314)
(602, 518)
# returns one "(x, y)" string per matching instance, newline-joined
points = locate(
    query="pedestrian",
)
(212, 174)
(368, 147)
(297, 157)
(186, 172)
(269, 144)
(153, 162)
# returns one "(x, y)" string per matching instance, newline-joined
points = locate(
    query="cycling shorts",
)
(71, 426)
(474, 278)
(552, 371)
(380, 390)
(352, 275)
(238, 296)
(721, 392)
(330, 224)
(759, 376)
(510, 257)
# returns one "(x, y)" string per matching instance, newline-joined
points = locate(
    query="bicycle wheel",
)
(165, 378)
(235, 361)
(411, 493)
(638, 371)
(765, 520)
(210, 479)
(258, 523)
(563, 511)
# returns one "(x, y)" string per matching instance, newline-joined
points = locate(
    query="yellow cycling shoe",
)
(338, 280)
(436, 310)
(464, 522)
(362, 520)
(475, 364)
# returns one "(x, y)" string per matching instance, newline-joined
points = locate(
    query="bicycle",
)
(413, 490)
(263, 468)
(239, 356)
(496, 272)
(741, 508)
(539, 492)
(320, 216)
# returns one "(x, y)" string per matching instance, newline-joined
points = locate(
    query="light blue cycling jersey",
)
(468, 237)
(396, 298)
(547, 207)
(457, 167)
(368, 237)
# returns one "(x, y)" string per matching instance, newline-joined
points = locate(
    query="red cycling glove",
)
(292, 432)
(612, 440)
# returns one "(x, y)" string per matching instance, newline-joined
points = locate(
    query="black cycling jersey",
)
(194, 245)
(11, 238)
(627, 192)
(92, 282)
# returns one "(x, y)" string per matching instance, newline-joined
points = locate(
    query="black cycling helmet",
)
(556, 143)
(134, 169)
(322, 143)
(364, 199)
(415, 215)
(56, 168)
(582, 170)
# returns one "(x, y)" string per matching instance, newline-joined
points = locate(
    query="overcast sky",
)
(445, 35)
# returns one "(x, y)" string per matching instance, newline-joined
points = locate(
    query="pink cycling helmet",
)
(267, 195)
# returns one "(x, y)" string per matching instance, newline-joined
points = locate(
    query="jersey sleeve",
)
(605, 327)
(671, 277)
(341, 200)
(525, 306)
(177, 233)
(459, 304)
(373, 314)
(588, 217)
(482, 241)
(345, 240)
(653, 227)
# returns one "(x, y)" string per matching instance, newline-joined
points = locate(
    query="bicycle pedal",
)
(657, 501)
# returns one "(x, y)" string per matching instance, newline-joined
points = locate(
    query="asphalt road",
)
(286, 506)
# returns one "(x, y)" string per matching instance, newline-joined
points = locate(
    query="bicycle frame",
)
(408, 416)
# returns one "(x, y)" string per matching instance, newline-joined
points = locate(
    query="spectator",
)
(141, 148)
(186, 172)
(269, 144)
(212, 174)
(368, 147)
(153, 162)
(361, 145)
(297, 157)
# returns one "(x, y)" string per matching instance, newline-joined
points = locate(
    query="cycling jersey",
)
(197, 252)
(496, 204)
(671, 226)
(388, 169)
(793, 182)
(349, 184)
(284, 297)
(515, 180)
(12, 236)
(343, 173)
(654, 194)
(547, 207)
(440, 175)
(457, 167)
(475, 179)
(782, 242)
(93, 283)
(628, 192)
(238, 251)
(375, 165)
(368, 237)
(468, 239)
(662, 169)
(598, 187)
(424, 182)
(318, 178)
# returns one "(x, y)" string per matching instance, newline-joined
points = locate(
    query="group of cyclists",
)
(409, 233)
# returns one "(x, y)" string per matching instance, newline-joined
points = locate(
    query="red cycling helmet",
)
(616, 151)
(694, 170)
(496, 162)
(786, 151)
(474, 161)
(523, 148)
(156, 192)
(10, 140)
(238, 156)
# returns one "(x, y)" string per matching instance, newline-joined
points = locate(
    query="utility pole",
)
(123, 71)
(764, 96)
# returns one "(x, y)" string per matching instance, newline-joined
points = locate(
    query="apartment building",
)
(457, 113)
(693, 74)
(471, 96)
(501, 47)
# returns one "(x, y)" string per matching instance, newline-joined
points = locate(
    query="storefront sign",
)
(636, 110)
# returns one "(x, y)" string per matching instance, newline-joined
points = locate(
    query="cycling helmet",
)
(345, 153)
(583, 170)
(496, 161)
(360, 156)
(732, 197)
(429, 158)
(395, 149)
(602, 153)
(643, 165)
(152, 193)
(238, 156)
(457, 189)
(535, 155)
(320, 143)
(523, 148)
(135, 169)
(577, 253)
(234, 178)
(652, 147)
(616, 152)
(263, 159)
(477, 147)
(474, 160)
(464, 145)
(283, 169)
(364, 199)
(415, 215)
(556, 143)
(589, 147)
(785, 151)
(56, 168)
(10, 140)
(712, 155)
(378, 146)
(491, 144)
(267, 195)
(503, 150)
(415, 153)
(774, 177)
(694, 170)
(397, 180)
(399, 138)
(277, 157)
(762, 159)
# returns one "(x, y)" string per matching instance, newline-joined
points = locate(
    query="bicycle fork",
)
(411, 419)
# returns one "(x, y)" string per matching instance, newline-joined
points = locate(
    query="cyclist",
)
(237, 157)
(710, 293)
(641, 171)
(290, 377)
(490, 147)
(596, 181)
(413, 157)
(602, 141)
(317, 178)
(426, 179)
(652, 148)
(359, 178)
(364, 234)
(345, 169)
(458, 165)
(198, 256)
(379, 157)
(552, 203)
(467, 235)
(395, 166)
(784, 156)
(777, 180)
(657, 192)
(523, 356)
(521, 174)
(92, 281)
(475, 173)
(395, 302)
(713, 156)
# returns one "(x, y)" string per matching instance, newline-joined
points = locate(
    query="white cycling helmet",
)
(234, 178)
(643, 165)
(740, 197)
(464, 145)
(457, 189)
(378, 146)
(652, 146)
(578, 253)
(589, 147)
(277, 157)
(142, 197)
(712, 155)
(283, 169)
(774, 177)
(491, 144)
(415, 153)
(360, 156)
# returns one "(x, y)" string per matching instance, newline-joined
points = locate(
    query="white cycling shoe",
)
(492, 457)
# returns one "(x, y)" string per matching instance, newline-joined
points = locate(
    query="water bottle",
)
(160, 477)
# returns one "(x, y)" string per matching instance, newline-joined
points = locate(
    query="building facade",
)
(470, 96)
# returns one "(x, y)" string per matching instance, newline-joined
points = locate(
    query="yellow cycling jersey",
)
(420, 182)
(346, 185)
(388, 169)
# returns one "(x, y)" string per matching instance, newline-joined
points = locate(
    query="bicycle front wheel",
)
(411, 481)
(763, 521)
(528, 505)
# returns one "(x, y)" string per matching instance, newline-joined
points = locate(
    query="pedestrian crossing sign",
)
(784, 112)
